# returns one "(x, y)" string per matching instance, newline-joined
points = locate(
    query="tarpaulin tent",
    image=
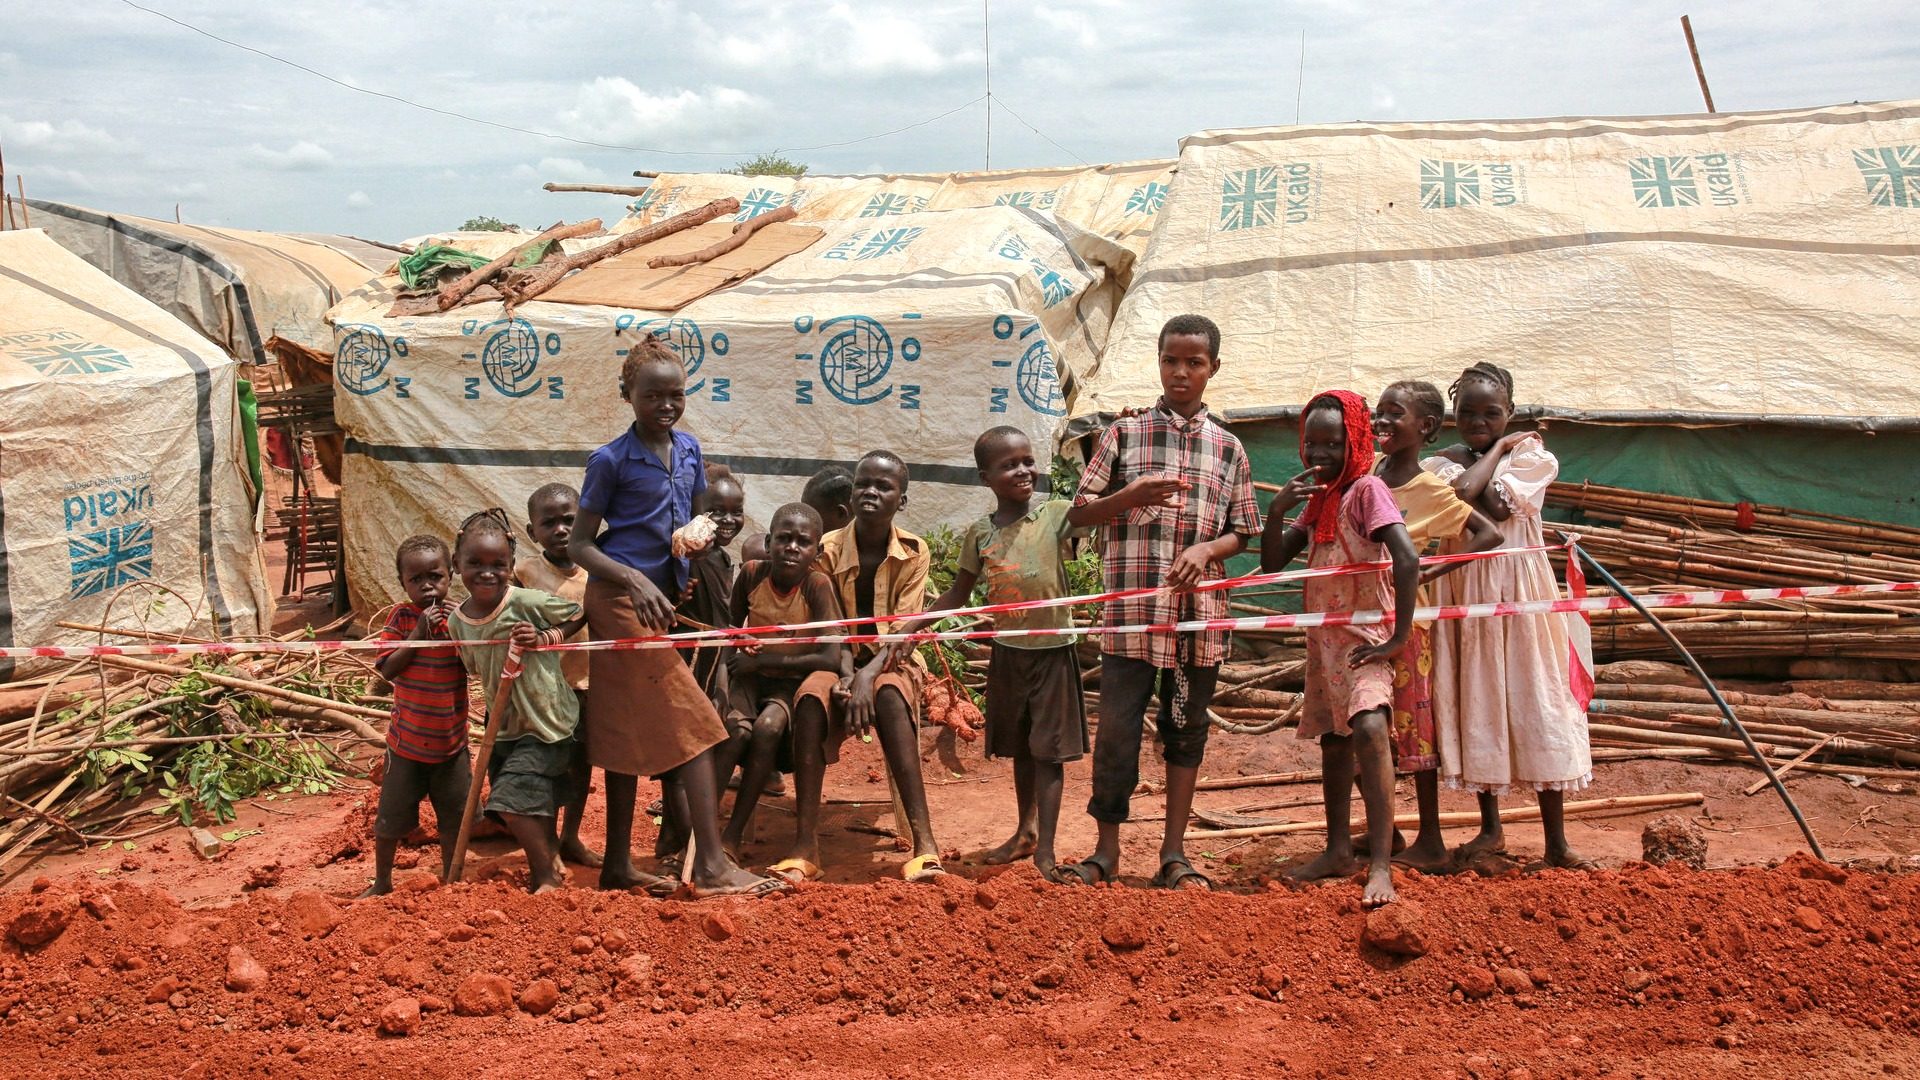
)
(121, 460)
(236, 287)
(1720, 306)
(914, 332)
(1118, 201)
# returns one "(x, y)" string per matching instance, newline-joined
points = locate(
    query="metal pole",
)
(986, 50)
(1699, 72)
(1730, 722)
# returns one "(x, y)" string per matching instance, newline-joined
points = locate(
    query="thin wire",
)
(510, 127)
(868, 138)
(986, 51)
(1300, 86)
(1037, 131)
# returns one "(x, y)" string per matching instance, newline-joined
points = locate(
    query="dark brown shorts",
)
(1034, 704)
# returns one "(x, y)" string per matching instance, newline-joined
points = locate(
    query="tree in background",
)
(485, 223)
(769, 165)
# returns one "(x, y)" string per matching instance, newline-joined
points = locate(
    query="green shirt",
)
(544, 706)
(1026, 560)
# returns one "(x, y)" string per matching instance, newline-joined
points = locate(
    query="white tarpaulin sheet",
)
(914, 333)
(121, 461)
(1764, 263)
(235, 287)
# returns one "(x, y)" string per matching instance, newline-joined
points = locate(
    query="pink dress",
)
(1502, 704)
(1336, 693)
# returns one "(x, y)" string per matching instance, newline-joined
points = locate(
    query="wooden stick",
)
(1693, 50)
(1783, 770)
(249, 685)
(26, 221)
(518, 290)
(174, 740)
(1589, 808)
(454, 292)
(742, 232)
(603, 189)
(1228, 783)
(497, 712)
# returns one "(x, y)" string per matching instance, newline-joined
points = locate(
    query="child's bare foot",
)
(1364, 847)
(1427, 854)
(1379, 891)
(1489, 840)
(1327, 864)
(579, 854)
(541, 888)
(1018, 846)
(629, 878)
(378, 888)
(1569, 859)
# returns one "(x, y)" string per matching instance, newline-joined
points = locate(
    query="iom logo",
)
(361, 357)
(683, 336)
(1035, 375)
(1892, 174)
(510, 357)
(856, 361)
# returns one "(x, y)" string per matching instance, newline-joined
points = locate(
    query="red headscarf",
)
(1321, 514)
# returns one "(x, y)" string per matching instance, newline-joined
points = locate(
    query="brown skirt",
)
(646, 715)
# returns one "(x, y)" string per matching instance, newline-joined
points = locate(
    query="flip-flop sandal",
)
(794, 870)
(1078, 873)
(764, 887)
(922, 868)
(657, 808)
(1176, 872)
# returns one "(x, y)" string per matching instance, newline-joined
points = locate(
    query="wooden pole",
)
(1588, 808)
(742, 232)
(20, 182)
(1699, 72)
(250, 686)
(458, 290)
(528, 284)
(497, 713)
(602, 189)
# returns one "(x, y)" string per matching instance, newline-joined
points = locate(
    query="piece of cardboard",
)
(624, 281)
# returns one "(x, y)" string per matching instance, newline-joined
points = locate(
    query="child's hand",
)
(524, 635)
(1363, 655)
(649, 604)
(1511, 441)
(860, 702)
(1157, 490)
(686, 591)
(745, 662)
(435, 617)
(1131, 411)
(1188, 568)
(1296, 491)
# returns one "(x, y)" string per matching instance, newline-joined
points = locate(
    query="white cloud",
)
(66, 137)
(302, 156)
(49, 176)
(1073, 25)
(612, 109)
(193, 189)
(842, 41)
(359, 200)
(560, 170)
(1382, 99)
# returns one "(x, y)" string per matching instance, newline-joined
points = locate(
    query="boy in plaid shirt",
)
(1172, 492)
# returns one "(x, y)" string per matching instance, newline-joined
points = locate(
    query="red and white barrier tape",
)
(1256, 622)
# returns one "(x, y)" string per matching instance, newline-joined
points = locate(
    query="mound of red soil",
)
(1650, 971)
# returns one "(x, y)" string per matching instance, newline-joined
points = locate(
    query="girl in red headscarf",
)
(1350, 518)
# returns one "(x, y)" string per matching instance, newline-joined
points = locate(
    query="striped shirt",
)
(1139, 546)
(429, 694)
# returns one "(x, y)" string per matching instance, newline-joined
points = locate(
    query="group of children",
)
(1484, 704)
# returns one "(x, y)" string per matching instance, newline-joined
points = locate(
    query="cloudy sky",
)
(110, 106)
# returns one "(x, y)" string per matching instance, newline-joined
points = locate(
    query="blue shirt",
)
(642, 501)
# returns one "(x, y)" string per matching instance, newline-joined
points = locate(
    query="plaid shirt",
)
(1139, 546)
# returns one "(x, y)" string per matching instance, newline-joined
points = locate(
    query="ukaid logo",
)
(759, 201)
(510, 358)
(888, 203)
(360, 360)
(61, 352)
(861, 244)
(1147, 198)
(1692, 180)
(1054, 286)
(658, 199)
(109, 533)
(683, 336)
(1031, 200)
(1892, 174)
(1035, 375)
(856, 360)
(1262, 197)
(1447, 184)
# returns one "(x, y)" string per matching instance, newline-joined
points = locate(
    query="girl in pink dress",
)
(1350, 518)
(1503, 700)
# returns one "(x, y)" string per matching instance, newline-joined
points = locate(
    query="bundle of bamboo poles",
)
(1657, 542)
(74, 743)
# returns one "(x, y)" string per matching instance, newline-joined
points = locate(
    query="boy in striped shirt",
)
(427, 739)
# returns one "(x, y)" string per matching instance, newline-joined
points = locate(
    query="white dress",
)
(1503, 707)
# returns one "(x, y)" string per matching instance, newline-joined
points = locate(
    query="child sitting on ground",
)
(1407, 420)
(550, 512)
(879, 572)
(427, 738)
(772, 684)
(1036, 714)
(532, 772)
(1350, 518)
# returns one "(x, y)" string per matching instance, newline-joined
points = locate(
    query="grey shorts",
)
(532, 778)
